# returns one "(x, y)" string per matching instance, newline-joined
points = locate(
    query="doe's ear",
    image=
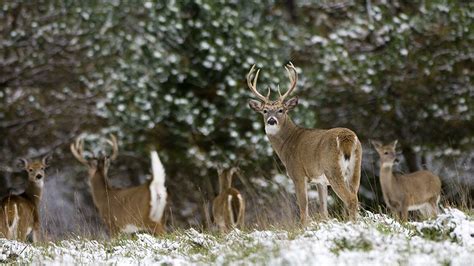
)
(22, 163)
(291, 103)
(377, 144)
(256, 105)
(394, 143)
(47, 160)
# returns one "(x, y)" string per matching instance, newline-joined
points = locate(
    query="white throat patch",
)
(272, 129)
(40, 183)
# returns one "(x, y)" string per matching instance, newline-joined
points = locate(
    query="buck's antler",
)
(113, 142)
(77, 149)
(293, 80)
(253, 84)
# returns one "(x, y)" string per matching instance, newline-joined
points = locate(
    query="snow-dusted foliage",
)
(373, 240)
(170, 75)
(181, 71)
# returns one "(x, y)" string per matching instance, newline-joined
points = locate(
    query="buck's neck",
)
(224, 184)
(281, 138)
(98, 185)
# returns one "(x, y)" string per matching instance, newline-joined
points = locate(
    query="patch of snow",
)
(375, 239)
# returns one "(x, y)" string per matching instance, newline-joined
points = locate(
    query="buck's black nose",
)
(39, 176)
(272, 121)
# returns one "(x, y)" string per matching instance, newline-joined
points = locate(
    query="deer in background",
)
(329, 157)
(416, 191)
(126, 210)
(228, 208)
(20, 213)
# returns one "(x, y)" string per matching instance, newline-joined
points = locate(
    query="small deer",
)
(126, 210)
(325, 157)
(416, 191)
(21, 212)
(228, 208)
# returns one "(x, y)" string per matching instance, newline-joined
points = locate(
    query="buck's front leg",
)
(302, 197)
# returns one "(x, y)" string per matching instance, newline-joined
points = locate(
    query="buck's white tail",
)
(158, 193)
(231, 211)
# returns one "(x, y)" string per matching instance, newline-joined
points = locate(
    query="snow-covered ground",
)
(373, 240)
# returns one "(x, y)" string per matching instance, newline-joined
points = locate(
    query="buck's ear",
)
(291, 103)
(377, 144)
(22, 163)
(234, 170)
(47, 160)
(220, 168)
(256, 105)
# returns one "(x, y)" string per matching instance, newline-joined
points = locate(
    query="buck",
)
(329, 157)
(228, 208)
(126, 210)
(416, 191)
(20, 213)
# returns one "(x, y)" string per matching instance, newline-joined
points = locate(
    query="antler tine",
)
(268, 93)
(253, 84)
(113, 142)
(293, 80)
(77, 148)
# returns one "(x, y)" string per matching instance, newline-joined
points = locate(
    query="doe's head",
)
(36, 169)
(274, 112)
(386, 152)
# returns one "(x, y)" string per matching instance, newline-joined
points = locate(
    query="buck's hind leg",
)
(433, 206)
(351, 202)
(426, 211)
(355, 179)
(404, 211)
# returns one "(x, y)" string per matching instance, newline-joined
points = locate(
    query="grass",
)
(360, 243)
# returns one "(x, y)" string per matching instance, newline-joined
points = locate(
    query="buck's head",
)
(387, 152)
(274, 113)
(97, 163)
(35, 169)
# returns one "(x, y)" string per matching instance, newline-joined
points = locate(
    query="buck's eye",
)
(31, 170)
(385, 153)
(280, 111)
(42, 168)
(265, 111)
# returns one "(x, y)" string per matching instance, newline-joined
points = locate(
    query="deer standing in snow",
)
(126, 210)
(416, 191)
(228, 208)
(329, 157)
(20, 213)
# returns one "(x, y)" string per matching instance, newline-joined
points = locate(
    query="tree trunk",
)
(291, 6)
(410, 158)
